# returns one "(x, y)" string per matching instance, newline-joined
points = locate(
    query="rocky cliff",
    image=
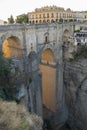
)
(75, 82)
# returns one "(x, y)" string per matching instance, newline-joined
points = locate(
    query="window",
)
(36, 15)
(43, 15)
(47, 15)
(46, 39)
(57, 15)
(40, 16)
(32, 16)
(52, 15)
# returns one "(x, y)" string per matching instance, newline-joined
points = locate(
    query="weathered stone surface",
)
(33, 38)
(75, 79)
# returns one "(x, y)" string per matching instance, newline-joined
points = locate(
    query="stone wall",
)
(26, 91)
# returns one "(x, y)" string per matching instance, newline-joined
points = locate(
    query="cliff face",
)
(75, 82)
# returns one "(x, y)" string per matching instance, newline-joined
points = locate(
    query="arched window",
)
(46, 37)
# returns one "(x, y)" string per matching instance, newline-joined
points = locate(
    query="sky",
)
(18, 7)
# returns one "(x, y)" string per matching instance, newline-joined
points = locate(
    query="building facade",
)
(51, 14)
(85, 15)
(2, 22)
(79, 16)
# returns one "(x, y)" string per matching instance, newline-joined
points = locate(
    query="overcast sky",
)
(17, 7)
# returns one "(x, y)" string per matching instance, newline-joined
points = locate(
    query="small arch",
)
(48, 20)
(33, 21)
(46, 39)
(44, 21)
(12, 47)
(52, 21)
(65, 35)
(40, 21)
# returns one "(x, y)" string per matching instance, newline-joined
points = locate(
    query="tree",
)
(5, 66)
(22, 18)
(60, 20)
(11, 19)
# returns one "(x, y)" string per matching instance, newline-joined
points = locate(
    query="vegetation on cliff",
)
(15, 117)
(12, 115)
(4, 76)
(80, 53)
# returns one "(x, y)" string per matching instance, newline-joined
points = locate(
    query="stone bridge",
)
(40, 48)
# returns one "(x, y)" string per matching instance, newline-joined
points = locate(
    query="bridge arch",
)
(66, 32)
(65, 35)
(48, 70)
(12, 47)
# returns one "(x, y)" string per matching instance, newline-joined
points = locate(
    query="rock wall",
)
(26, 87)
(75, 82)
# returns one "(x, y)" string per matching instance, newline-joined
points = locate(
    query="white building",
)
(81, 37)
(2, 22)
(79, 16)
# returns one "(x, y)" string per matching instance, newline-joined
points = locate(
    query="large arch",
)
(48, 70)
(12, 47)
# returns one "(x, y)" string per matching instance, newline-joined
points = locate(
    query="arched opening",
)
(36, 21)
(48, 70)
(12, 47)
(48, 21)
(52, 21)
(33, 21)
(65, 35)
(40, 21)
(44, 21)
(56, 20)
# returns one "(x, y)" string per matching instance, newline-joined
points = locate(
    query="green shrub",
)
(81, 52)
(77, 30)
(5, 66)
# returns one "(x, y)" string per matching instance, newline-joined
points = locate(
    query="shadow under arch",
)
(12, 47)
